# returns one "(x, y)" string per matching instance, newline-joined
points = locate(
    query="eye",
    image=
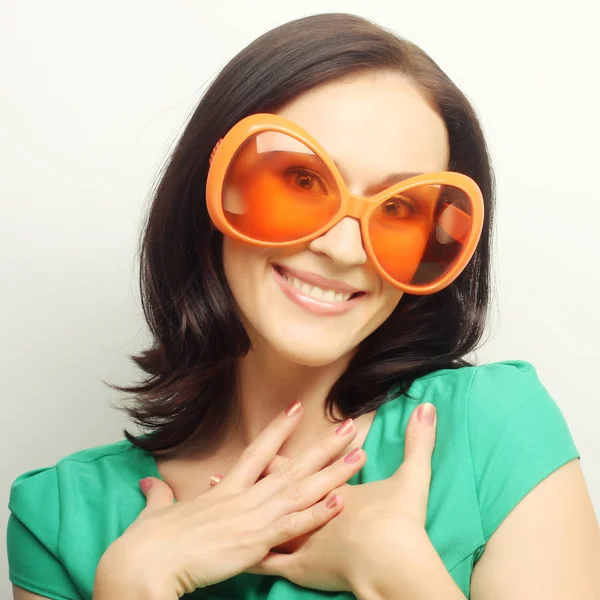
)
(306, 180)
(398, 208)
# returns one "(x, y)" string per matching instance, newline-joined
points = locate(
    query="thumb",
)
(275, 563)
(158, 494)
(415, 471)
(420, 435)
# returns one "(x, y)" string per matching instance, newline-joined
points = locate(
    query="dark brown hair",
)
(197, 335)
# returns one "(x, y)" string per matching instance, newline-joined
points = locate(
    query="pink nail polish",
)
(332, 502)
(353, 457)
(426, 413)
(214, 479)
(145, 485)
(293, 409)
(345, 427)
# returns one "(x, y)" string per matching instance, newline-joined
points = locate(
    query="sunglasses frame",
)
(351, 205)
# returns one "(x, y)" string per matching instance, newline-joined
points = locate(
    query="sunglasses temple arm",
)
(214, 151)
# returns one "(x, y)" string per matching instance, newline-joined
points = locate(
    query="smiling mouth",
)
(319, 293)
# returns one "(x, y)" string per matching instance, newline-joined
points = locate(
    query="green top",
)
(499, 434)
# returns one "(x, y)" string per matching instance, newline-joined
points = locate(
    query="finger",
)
(263, 449)
(310, 462)
(420, 435)
(274, 563)
(275, 464)
(292, 525)
(270, 468)
(419, 444)
(214, 479)
(157, 493)
(302, 494)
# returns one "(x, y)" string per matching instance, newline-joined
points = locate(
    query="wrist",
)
(432, 586)
(411, 570)
(115, 578)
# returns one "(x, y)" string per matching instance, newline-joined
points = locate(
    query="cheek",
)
(242, 265)
(235, 262)
(390, 297)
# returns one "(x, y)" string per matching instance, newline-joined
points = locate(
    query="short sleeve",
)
(33, 534)
(518, 436)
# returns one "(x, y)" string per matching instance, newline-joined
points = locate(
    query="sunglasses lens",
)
(419, 235)
(277, 189)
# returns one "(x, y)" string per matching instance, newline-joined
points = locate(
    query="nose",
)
(342, 243)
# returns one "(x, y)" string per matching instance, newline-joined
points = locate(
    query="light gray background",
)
(92, 96)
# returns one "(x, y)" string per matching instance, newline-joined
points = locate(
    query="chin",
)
(307, 351)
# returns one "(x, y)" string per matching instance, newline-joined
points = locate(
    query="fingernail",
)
(426, 413)
(145, 485)
(345, 427)
(293, 409)
(353, 457)
(214, 479)
(332, 502)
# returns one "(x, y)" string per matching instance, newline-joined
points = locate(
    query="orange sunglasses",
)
(270, 183)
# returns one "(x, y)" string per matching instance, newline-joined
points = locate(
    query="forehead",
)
(373, 124)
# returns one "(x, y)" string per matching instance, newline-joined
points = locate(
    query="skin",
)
(548, 547)
(294, 351)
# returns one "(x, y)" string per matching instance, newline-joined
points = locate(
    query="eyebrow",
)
(384, 183)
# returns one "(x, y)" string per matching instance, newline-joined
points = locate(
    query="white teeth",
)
(316, 292)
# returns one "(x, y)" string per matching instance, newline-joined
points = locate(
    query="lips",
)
(322, 301)
(317, 281)
(315, 292)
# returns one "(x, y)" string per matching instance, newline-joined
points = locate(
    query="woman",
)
(320, 240)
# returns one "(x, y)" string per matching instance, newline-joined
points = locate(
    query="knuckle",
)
(285, 524)
(419, 436)
(248, 452)
(315, 514)
(287, 471)
(294, 494)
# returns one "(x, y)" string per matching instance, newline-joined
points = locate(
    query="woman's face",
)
(294, 301)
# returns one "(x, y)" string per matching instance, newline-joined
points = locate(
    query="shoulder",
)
(514, 432)
(63, 516)
(466, 395)
(46, 479)
(508, 373)
(95, 453)
(486, 392)
(475, 406)
(505, 414)
(509, 405)
(500, 423)
(116, 462)
(67, 514)
(89, 473)
(499, 434)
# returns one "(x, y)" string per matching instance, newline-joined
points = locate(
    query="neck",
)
(267, 383)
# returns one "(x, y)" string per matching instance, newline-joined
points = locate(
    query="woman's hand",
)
(177, 548)
(380, 537)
